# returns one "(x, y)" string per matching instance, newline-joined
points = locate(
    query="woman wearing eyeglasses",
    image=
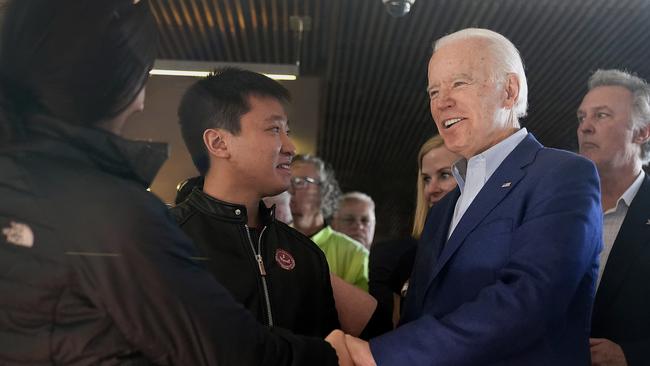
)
(314, 193)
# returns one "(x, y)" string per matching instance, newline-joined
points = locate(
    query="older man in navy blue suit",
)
(507, 265)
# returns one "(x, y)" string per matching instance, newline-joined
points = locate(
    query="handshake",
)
(350, 350)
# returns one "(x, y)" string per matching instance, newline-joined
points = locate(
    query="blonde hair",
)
(421, 205)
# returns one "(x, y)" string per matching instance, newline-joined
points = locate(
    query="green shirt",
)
(346, 257)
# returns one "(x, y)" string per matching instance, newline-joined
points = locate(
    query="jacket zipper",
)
(262, 270)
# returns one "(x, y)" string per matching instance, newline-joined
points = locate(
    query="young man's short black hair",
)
(219, 101)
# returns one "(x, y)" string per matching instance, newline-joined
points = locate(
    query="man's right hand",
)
(337, 340)
(359, 351)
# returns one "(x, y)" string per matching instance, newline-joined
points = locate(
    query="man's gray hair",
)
(356, 196)
(505, 56)
(640, 99)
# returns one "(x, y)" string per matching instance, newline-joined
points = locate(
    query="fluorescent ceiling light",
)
(202, 68)
(198, 74)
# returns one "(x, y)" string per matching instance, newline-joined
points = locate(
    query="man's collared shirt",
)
(613, 220)
(472, 174)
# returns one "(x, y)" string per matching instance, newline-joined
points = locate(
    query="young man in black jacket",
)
(234, 123)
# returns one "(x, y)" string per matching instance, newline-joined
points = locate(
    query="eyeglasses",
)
(303, 182)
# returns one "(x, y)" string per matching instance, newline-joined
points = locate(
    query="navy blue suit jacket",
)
(515, 282)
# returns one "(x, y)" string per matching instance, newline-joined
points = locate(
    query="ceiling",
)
(374, 108)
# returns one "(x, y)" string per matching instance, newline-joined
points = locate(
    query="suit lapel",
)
(431, 241)
(500, 184)
(632, 239)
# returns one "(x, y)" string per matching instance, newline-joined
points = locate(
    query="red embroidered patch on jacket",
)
(284, 259)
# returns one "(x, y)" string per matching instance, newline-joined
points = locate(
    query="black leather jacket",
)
(94, 270)
(277, 273)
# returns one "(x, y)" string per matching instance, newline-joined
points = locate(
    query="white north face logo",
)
(19, 234)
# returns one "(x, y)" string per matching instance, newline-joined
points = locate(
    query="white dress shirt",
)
(472, 174)
(613, 219)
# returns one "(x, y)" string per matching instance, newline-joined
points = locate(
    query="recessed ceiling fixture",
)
(398, 8)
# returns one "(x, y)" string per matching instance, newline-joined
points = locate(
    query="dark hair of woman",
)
(82, 63)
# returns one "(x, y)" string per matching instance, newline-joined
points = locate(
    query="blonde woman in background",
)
(434, 179)
(391, 262)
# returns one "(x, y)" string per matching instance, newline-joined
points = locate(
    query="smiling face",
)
(470, 108)
(261, 152)
(605, 133)
(436, 174)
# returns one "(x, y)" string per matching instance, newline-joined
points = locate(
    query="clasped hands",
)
(350, 350)
(353, 351)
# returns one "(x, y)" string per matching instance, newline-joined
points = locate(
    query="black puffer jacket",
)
(272, 269)
(94, 271)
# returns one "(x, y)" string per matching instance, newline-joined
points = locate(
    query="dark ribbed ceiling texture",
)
(374, 108)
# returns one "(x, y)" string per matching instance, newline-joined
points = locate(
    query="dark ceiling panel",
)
(375, 110)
